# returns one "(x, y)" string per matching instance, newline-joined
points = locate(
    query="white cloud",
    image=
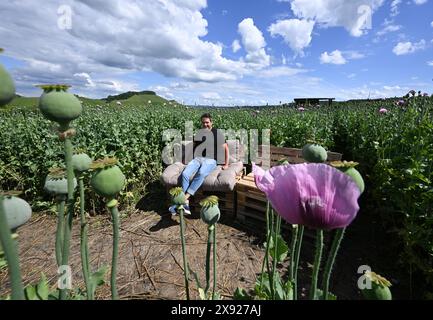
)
(211, 96)
(419, 2)
(430, 63)
(254, 43)
(403, 48)
(373, 91)
(335, 57)
(352, 55)
(355, 15)
(296, 33)
(394, 7)
(88, 85)
(87, 78)
(163, 91)
(392, 88)
(431, 24)
(351, 76)
(283, 59)
(279, 72)
(104, 41)
(236, 46)
(388, 29)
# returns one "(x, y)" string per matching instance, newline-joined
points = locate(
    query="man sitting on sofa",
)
(210, 150)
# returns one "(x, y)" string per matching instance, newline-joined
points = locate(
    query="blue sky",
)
(221, 52)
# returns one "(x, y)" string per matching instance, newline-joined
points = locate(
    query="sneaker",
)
(172, 209)
(187, 209)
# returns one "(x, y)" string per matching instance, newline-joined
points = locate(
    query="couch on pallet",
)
(220, 183)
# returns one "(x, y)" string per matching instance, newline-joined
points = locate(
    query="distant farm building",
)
(313, 101)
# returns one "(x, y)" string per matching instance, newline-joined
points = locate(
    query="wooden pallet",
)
(251, 202)
(292, 155)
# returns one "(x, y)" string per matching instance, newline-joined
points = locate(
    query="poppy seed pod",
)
(379, 289)
(177, 196)
(314, 153)
(57, 186)
(107, 180)
(18, 211)
(58, 105)
(349, 169)
(210, 212)
(81, 162)
(7, 86)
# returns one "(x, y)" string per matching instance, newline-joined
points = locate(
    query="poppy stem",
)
(115, 217)
(268, 237)
(275, 259)
(60, 226)
(316, 268)
(214, 263)
(292, 251)
(11, 253)
(83, 243)
(338, 237)
(208, 249)
(270, 272)
(185, 262)
(300, 236)
(70, 214)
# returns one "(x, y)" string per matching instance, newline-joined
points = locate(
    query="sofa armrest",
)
(170, 176)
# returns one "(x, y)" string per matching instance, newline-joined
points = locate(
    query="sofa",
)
(218, 180)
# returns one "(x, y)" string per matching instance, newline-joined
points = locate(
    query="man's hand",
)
(225, 167)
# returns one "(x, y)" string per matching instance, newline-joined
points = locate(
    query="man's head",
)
(206, 121)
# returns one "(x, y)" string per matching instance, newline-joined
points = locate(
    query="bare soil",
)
(150, 255)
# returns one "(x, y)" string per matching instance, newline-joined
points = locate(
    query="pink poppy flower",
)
(383, 110)
(301, 109)
(315, 194)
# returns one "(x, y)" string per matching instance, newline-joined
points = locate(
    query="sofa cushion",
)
(171, 174)
(217, 180)
(223, 180)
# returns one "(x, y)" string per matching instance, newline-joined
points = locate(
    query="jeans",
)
(201, 167)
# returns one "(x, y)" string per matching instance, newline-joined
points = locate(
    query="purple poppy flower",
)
(401, 102)
(315, 194)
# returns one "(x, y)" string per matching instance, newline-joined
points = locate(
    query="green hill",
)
(23, 102)
(129, 94)
(136, 98)
(128, 99)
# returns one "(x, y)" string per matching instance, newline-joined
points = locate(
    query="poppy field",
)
(70, 158)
